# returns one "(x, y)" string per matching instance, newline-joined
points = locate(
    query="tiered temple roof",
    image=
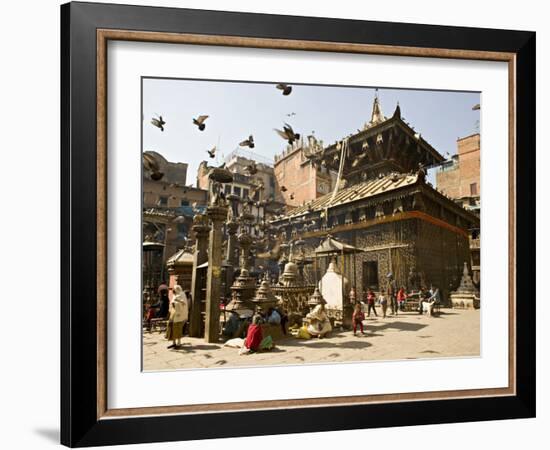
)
(384, 145)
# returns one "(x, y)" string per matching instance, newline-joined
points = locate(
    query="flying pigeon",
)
(248, 142)
(158, 122)
(150, 164)
(285, 88)
(199, 121)
(288, 134)
(212, 153)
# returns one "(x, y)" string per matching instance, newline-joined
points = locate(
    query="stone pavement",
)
(406, 336)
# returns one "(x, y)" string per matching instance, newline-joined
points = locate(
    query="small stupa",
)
(334, 286)
(467, 295)
(264, 298)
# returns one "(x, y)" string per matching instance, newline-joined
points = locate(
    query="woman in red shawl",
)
(254, 335)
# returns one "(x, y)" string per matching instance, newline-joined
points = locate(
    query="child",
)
(150, 313)
(383, 303)
(370, 302)
(357, 318)
(401, 298)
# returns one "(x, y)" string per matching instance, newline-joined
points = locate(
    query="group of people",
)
(236, 324)
(396, 301)
(248, 328)
(427, 299)
(246, 332)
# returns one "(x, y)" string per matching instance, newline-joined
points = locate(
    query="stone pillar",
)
(200, 256)
(245, 241)
(231, 259)
(217, 215)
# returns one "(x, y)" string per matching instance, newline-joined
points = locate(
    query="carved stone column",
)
(200, 256)
(245, 242)
(231, 256)
(217, 215)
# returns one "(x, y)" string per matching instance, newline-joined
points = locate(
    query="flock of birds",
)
(287, 133)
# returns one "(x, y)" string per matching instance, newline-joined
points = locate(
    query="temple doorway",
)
(370, 275)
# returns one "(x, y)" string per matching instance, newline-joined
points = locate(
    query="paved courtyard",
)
(406, 336)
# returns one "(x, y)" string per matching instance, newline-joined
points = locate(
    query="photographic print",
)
(290, 224)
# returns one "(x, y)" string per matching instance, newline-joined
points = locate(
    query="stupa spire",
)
(377, 115)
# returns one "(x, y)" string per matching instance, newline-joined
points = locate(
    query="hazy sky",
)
(238, 109)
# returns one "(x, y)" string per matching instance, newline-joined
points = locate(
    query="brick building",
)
(168, 208)
(459, 179)
(303, 179)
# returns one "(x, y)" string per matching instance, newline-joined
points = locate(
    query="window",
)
(185, 203)
(227, 189)
(245, 193)
(237, 190)
(163, 201)
(473, 189)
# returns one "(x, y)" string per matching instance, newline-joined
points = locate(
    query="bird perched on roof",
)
(248, 142)
(158, 122)
(212, 152)
(284, 189)
(287, 89)
(288, 134)
(291, 196)
(150, 164)
(251, 168)
(199, 121)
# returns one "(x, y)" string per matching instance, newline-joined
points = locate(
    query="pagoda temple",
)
(383, 206)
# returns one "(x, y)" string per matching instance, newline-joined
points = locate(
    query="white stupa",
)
(331, 287)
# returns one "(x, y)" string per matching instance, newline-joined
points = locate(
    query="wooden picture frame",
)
(86, 419)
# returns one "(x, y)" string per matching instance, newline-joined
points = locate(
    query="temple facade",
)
(382, 204)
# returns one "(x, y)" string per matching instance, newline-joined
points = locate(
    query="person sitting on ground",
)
(284, 318)
(357, 318)
(232, 325)
(319, 323)
(273, 317)
(255, 341)
(401, 298)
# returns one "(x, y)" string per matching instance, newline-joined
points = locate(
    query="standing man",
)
(392, 292)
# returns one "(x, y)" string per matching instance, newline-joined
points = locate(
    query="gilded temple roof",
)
(360, 191)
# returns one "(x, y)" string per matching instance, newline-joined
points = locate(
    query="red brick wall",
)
(469, 156)
(458, 183)
(298, 178)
